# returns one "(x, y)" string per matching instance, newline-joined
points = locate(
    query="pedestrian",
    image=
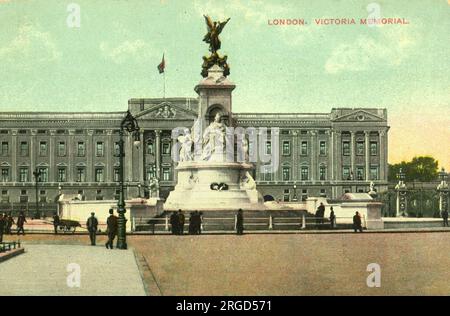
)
(240, 222)
(357, 223)
(192, 223)
(56, 222)
(111, 229)
(9, 223)
(321, 211)
(2, 226)
(332, 219)
(199, 222)
(21, 220)
(445, 217)
(174, 223)
(181, 220)
(91, 225)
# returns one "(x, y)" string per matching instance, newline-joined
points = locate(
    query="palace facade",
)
(321, 154)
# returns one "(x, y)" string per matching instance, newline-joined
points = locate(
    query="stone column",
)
(141, 156)
(71, 152)
(382, 155)
(14, 169)
(352, 153)
(89, 153)
(158, 153)
(129, 158)
(330, 153)
(338, 155)
(31, 152)
(52, 173)
(294, 156)
(367, 153)
(109, 152)
(313, 141)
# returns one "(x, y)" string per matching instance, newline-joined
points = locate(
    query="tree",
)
(421, 168)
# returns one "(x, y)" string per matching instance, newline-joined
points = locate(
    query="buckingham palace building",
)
(321, 154)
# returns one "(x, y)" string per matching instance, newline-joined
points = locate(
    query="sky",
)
(48, 63)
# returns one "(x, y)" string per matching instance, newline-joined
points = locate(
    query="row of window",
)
(23, 197)
(80, 176)
(304, 148)
(305, 173)
(61, 150)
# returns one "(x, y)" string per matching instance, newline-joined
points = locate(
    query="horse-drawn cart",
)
(68, 225)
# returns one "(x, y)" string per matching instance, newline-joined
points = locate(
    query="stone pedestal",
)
(197, 188)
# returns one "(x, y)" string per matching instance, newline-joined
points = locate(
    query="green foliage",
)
(422, 168)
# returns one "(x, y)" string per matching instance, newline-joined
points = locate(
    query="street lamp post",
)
(37, 177)
(443, 190)
(401, 194)
(130, 125)
(294, 198)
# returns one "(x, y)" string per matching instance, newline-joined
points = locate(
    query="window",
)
(360, 173)
(268, 148)
(360, 148)
(286, 148)
(42, 149)
(286, 195)
(81, 149)
(5, 174)
(346, 148)
(99, 149)
(5, 196)
(44, 174)
(346, 173)
(304, 148)
(304, 194)
(81, 174)
(150, 147)
(286, 173)
(151, 172)
(373, 148)
(61, 149)
(167, 175)
(99, 175)
(23, 198)
(322, 173)
(116, 149)
(322, 148)
(23, 149)
(304, 173)
(23, 174)
(166, 149)
(266, 173)
(374, 173)
(116, 175)
(61, 174)
(5, 149)
(323, 193)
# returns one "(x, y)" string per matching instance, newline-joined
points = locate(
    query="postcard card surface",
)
(238, 148)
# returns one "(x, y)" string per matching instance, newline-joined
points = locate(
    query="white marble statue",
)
(247, 181)
(213, 138)
(186, 147)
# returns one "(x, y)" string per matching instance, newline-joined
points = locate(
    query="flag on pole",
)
(162, 65)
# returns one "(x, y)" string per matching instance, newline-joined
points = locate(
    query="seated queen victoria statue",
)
(214, 140)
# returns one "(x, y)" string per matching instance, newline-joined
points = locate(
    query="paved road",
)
(42, 270)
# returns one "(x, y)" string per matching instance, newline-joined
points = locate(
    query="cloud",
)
(30, 46)
(127, 50)
(386, 47)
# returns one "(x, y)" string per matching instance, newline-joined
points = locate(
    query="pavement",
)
(51, 269)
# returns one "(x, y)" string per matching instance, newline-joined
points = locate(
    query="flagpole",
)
(164, 88)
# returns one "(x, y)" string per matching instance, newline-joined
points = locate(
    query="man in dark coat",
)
(445, 217)
(192, 223)
(357, 226)
(321, 212)
(174, 223)
(21, 220)
(240, 222)
(2, 226)
(181, 220)
(91, 225)
(332, 218)
(112, 227)
(9, 223)
(56, 222)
